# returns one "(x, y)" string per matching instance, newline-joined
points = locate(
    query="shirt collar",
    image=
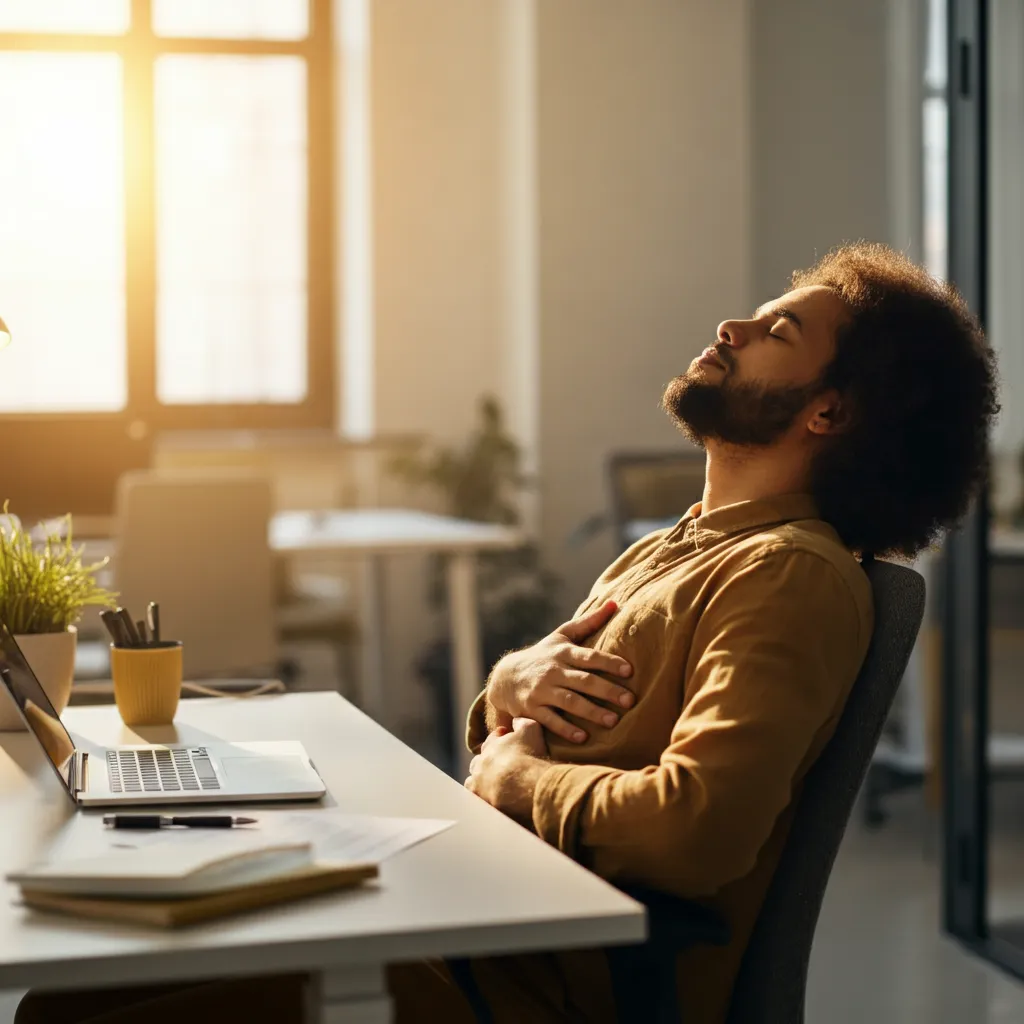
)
(746, 515)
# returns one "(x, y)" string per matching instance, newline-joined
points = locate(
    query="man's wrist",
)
(525, 787)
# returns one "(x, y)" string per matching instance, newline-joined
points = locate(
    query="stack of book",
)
(170, 883)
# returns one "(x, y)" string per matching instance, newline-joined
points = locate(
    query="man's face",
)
(762, 373)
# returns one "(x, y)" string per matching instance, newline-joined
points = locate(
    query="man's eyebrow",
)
(780, 313)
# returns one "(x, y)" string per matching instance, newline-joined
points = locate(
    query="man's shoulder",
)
(812, 542)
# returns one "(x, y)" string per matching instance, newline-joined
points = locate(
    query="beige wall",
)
(645, 232)
(819, 164)
(434, 90)
(688, 156)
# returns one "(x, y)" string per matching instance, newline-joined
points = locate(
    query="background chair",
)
(646, 491)
(315, 597)
(652, 489)
(772, 982)
(197, 543)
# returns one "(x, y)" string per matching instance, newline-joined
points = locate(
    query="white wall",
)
(645, 232)
(687, 157)
(819, 162)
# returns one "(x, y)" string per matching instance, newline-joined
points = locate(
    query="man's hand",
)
(506, 771)
(556, 674)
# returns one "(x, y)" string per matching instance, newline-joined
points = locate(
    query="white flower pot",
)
(52, 658)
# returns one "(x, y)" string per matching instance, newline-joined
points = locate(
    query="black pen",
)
(170, 820)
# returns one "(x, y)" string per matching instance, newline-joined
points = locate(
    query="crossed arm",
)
(779, 648)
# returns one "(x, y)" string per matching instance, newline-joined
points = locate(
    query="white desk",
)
(484, 886)
(376, 533)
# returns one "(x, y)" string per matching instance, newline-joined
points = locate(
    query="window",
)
(165, 211)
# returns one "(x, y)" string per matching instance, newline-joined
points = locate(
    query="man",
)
(661, 736)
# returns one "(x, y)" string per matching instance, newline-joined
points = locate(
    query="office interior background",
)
(364, 245)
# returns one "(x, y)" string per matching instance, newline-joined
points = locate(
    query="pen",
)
(168, 820)
(153, 615)
(115, 627)
(129, 627)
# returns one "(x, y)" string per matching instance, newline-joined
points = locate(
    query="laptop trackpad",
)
(270, 773)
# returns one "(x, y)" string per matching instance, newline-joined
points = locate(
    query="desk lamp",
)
(5, 335)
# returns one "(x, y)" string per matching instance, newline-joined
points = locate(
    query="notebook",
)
(172, 913)
(169, 882)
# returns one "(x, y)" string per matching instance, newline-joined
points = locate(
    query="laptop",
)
(155, 773)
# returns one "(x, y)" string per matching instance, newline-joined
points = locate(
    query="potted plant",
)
(517, 594)
(44, 587)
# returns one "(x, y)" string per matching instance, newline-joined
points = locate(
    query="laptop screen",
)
(35, 707)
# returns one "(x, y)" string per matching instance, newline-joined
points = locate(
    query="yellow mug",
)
(147, 682)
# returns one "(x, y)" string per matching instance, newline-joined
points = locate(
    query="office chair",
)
(772, 981)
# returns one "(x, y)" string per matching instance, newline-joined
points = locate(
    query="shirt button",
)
(632, 630)
(654, 563)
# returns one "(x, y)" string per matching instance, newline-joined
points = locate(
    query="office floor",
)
(879, 955)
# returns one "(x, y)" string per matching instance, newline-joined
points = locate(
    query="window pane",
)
(935, 47)
(62, 268)
(231, 229)
(64, 15)
(936, 185)
(232, 19)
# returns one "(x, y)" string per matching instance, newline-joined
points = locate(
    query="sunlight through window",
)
(62, 269)
(231, 229)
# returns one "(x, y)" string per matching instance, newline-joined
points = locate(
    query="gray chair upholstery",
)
(772, 982)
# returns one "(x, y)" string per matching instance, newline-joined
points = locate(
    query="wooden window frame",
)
(131, 429)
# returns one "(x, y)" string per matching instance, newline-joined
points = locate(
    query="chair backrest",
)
(772, 981)
(198, 544)
(648, 488)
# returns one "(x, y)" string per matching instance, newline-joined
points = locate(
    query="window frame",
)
(139, 48)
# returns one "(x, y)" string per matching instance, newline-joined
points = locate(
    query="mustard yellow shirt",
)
(746, 628)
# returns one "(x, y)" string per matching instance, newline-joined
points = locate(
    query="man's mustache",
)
(723, 355)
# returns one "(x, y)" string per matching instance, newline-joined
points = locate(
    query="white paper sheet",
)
(335, 836)
(350, 837)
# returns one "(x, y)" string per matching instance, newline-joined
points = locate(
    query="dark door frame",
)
(965, 575)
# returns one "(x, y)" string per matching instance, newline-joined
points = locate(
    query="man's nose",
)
(731, 333)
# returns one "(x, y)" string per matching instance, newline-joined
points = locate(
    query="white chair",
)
(197, 543)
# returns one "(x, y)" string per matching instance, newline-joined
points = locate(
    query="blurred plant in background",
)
(483, 481)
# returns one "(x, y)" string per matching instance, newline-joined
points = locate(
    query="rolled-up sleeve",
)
(773, 658)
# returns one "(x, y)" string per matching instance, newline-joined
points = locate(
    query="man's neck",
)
(747, 474)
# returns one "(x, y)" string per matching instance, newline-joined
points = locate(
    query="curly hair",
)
(918, 381)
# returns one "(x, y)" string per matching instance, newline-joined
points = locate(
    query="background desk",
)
(376, 533)
(484, 886)
(373, 534)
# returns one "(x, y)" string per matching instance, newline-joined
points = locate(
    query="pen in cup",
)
(129, 627)
(153, 617)
(115, 627)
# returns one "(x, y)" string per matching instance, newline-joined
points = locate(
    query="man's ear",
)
(828, 414)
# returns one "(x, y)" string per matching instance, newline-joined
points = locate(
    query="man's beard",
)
(743, 413)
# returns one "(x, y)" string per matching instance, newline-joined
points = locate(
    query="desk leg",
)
(466, 655)
(349, 995)
(372, 690)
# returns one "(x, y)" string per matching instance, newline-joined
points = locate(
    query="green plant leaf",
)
(44, 585)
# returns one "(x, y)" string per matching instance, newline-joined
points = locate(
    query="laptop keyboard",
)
(164, 770)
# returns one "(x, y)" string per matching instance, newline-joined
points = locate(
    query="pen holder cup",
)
(147, 682)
